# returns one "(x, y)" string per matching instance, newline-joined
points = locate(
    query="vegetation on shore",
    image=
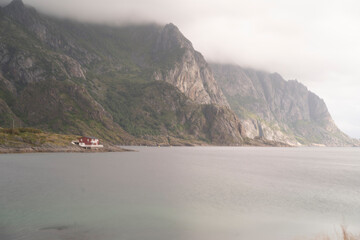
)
(344, 234)
(29, 140)
(32, 137)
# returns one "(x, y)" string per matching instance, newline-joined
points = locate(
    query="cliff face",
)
(275, 109)
(131, 84)
(190, 72)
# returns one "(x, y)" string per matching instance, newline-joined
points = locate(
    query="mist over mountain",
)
(140, 84)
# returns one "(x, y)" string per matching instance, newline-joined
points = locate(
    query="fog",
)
(313, 41)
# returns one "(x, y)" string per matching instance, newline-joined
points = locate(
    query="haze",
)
(315, 42)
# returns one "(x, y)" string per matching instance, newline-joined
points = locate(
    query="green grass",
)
(31, 137)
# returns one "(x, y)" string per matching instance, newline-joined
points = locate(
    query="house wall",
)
(89, 141)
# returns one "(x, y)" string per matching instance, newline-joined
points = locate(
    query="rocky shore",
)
(31, 140)
(54, 149)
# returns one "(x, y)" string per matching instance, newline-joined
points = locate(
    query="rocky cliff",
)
(279, 110)
(131, 84)
(190, 73)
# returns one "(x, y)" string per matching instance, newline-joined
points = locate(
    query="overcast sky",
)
(316, 42)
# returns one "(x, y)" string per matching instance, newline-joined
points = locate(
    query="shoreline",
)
(65, 149)
(110, 148)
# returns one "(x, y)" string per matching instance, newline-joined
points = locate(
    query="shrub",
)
(14, 131)
(17, 131)
(30, 130)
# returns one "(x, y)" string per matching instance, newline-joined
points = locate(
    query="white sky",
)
(316, 42)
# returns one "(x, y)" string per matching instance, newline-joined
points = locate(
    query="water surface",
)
(180, 193)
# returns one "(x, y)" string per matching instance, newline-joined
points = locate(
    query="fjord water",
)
(180, 193)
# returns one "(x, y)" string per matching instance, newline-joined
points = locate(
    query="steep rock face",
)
(190, 72)
(19, 65)
(223, 126)
(275, 109)
(23, 57)
(47, 31)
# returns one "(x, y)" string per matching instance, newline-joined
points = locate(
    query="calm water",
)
(201, 193)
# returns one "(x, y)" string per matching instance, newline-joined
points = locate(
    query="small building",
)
(89, 142)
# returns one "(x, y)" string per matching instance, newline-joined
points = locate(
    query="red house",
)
(89, 142)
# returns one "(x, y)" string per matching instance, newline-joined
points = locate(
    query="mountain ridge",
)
(286, 109)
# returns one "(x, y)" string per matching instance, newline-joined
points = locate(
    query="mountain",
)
(145, 84)
(136, 84)
(279, 110)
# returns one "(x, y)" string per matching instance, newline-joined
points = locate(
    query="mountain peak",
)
(16, 4)
(173, 31)
(21, 13)
(171, 26)
(171, 37)
(15, 8)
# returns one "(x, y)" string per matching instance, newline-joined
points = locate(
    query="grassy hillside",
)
(30, 137)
